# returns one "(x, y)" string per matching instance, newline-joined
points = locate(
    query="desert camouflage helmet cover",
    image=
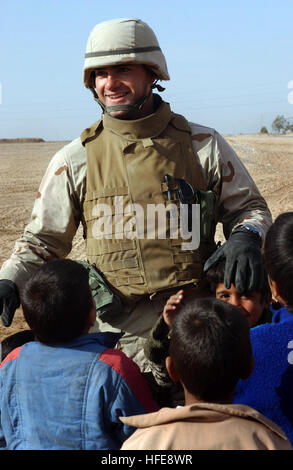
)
(122, 41)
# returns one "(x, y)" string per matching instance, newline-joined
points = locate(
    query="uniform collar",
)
(147, 127)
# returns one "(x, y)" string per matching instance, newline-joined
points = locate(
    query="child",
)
(157, 346)
(253, 305)
(209, 351)
(67, 389)
(270, 387)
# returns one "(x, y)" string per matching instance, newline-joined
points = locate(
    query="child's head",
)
(57, 302)
(278, 254)
(253, 305)
(210, 349)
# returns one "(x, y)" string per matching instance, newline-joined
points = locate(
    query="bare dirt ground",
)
(268, 158)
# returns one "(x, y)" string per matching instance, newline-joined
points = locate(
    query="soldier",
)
(140, 154)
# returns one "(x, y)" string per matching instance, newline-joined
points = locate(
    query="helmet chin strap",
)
(126, 107)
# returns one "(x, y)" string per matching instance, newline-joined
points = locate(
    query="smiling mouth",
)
(116, 96)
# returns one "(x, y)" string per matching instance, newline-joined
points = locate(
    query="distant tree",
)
(289, 127)
(280, 124)
(264, 130)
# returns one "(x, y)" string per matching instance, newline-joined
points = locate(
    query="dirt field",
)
(268, 158)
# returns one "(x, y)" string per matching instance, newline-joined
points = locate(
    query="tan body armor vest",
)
(127, 164)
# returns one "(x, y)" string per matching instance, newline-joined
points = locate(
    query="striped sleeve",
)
(11, 356)
(130, 372)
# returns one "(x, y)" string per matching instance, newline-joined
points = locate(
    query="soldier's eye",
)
(100, 73)
(124, 69)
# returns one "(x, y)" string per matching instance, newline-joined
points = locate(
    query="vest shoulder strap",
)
(180, 123)
(91, 133)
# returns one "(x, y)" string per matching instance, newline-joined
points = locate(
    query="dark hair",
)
(278, 253)
(14, 341)
(210, 347)
(56, 301)
(215, 276)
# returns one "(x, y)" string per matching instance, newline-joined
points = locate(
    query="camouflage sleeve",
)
(55, 216)
(240, 201)
(156, 350)
(157, 344)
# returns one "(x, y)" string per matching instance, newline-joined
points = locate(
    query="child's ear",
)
(92, 316)
(246, 373)
(276, 291)
(170, 366)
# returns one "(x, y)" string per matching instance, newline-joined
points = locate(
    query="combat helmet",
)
(122, 41)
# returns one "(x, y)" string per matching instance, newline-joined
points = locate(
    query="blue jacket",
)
(269, 389)
(70, 396)
(280, 314)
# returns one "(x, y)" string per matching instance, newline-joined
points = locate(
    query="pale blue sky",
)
(229, 61)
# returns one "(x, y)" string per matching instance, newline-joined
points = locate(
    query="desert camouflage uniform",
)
(58, 211)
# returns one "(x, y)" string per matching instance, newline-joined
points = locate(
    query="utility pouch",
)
(108, 303)
(208, 214)
(208, 206)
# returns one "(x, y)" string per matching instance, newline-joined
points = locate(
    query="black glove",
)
(9, 301)
(244, 265)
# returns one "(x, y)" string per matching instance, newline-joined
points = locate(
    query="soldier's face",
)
(116, 85)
